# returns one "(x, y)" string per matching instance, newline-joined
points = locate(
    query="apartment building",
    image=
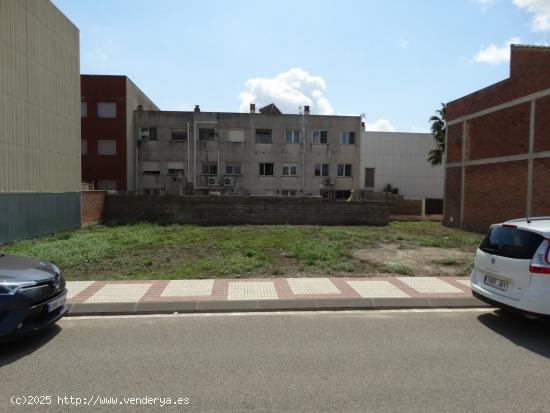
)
(108, 146)
(498, 146)
(39, 123)
(266, 153)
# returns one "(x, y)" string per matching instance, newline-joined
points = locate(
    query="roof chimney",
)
(306, 109)
(252, 108)
(197, 108)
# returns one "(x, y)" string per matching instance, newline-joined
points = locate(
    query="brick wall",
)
(494, 193)
(205, 210)
(541, 187)
(454, 143)
(501, 133)
(488, 127)
(528, 74)
(542, 124)
(92, 207)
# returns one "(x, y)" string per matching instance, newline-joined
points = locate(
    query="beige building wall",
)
(249, 154)
(39, 120)
(39, 99)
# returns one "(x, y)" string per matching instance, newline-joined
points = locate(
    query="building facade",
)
(39, 122)
(400, 160)
(498, 146)
(266, 153)
(107, 142)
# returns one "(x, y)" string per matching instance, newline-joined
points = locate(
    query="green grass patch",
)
(396, 269)
(448, 262)
(149, 251)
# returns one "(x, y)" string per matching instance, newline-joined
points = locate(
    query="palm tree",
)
(438, 127)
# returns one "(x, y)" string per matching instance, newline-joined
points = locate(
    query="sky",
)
(394, 61)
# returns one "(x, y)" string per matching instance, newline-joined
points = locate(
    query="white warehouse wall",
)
(400, 159)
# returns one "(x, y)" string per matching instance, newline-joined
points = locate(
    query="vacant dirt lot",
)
(414, 260)
(147, 251)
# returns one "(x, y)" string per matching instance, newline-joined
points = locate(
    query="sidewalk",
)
(265, 294)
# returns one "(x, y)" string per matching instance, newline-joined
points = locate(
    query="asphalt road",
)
(342, 361)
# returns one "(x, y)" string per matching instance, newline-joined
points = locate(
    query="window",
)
(347, 138)
(175, 168)
(369, 177)
(209, 168)
(106, 147)
(83, 147)
(106, 185)
(236, 135)
(290, 170)
(151, 167)
(83, 109)
(511, 243)
(319, 136)
(148, 134)
(207, 134)
(266, 169)
(292, 136)
(106, 110)
(178, 134)
(263, 136)
(288, 192)
(321, 169)
(343, 170)
(233, 169)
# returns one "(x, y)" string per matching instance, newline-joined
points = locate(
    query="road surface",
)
(389, 361)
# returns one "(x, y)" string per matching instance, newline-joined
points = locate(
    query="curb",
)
(218, 306)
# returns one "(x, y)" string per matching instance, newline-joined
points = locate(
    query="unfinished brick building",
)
(498, 146)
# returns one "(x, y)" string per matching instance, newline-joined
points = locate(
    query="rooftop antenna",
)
(528, 220)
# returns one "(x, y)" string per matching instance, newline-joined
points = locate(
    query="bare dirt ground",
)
(418, 261)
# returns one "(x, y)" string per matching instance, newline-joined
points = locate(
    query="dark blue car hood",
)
(14, 268)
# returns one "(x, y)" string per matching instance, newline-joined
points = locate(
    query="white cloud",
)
(485, 4)
(403, 43)
(493, 54)
(541, 10)
(289, 91)
(380, 125)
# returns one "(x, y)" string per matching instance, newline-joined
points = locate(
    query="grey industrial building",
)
(261, 154)
(39, 120)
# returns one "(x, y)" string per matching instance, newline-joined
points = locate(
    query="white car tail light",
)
(539, 263)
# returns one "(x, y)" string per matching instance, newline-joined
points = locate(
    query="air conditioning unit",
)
(327, 181)
(228, 181)
(212, 180)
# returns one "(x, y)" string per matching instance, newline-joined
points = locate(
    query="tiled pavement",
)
(272, 293)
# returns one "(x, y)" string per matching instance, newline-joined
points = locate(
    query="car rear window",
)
(511, 242)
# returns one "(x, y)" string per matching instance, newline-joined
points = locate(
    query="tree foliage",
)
(438, 127)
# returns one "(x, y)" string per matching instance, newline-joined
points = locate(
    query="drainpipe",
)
(218, 167)
(137, 168)
(195, 144)
(304, 149)
(188, 152)
(194, 152)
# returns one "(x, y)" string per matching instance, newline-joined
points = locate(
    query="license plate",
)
(58, 302)
(496, 283)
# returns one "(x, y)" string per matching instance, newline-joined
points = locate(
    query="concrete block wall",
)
(235, 210)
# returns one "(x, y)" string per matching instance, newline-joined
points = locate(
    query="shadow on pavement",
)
(533, 335)
(15, 350)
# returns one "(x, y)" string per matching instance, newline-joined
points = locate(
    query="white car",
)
(512, 266)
